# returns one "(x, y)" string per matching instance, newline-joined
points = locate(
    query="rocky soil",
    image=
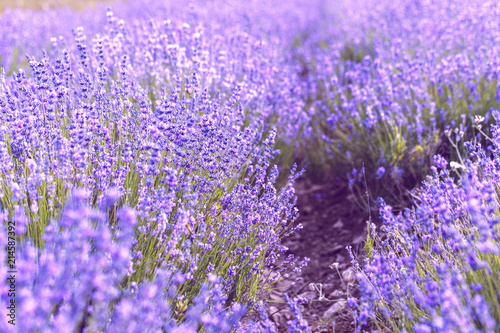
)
(332, 220)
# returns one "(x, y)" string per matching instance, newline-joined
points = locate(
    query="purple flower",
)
(380, 172)
(440, 161)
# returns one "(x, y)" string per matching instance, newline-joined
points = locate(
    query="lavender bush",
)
(79, 280)
(437, 267)
(390, 84)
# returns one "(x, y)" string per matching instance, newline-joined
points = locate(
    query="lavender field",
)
(250, 166)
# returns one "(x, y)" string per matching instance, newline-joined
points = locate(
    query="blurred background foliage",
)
(45, 4)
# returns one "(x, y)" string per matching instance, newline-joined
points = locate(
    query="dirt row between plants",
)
(332, 220)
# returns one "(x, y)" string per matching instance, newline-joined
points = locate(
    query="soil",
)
(332, 220)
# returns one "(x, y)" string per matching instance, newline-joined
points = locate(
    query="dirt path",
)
(331, 221)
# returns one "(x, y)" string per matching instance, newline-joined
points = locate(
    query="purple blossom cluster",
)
(436, 268)
(243, 44)
(78, 281)
(265, 325)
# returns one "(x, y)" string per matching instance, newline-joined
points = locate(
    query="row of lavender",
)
(174, 112)
(436, 267)
(395, 82)
(422, 83)
(136, 165)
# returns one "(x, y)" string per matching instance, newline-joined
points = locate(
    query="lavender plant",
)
(77, 282)
(437, 268)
